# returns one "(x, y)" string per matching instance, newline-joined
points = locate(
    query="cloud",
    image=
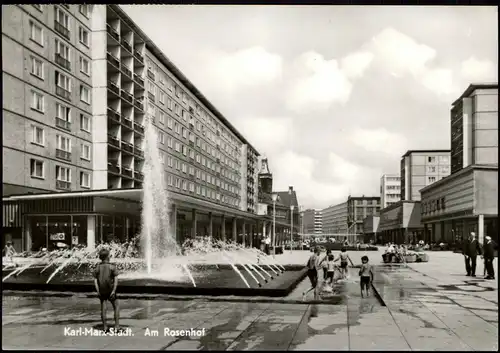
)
(440, 81)
(319, 84)
(266, 133)
(354, 65)
(341, 169)
(401, 53)
(475, 70)
(379, 141)
(248, 67)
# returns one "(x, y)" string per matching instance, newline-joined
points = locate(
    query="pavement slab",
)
(424, 307)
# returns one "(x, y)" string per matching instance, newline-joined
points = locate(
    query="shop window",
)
(59, 228)
(79, 231)
(39, 234)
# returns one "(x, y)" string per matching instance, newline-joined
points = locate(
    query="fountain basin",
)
(211, 279)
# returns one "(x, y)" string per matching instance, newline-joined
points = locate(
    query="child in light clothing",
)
(366, 274)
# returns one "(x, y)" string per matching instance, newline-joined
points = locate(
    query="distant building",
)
(358, 208)
(390, 189)
(370, 228)
(334, 219)
(312, 221)
(420, 168)
(474, 127)
(400, 223)
(467, 200)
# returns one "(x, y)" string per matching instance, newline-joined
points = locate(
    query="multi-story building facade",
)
(81, 83)
(467, 200)
(334, 219)
(204, 155)
(474, 127)
(390, 189)
(312, 221)
(358, 208)
(420, 168)
(47, 101)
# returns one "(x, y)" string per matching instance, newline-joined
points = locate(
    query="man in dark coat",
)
(489, 255)
(470, 251)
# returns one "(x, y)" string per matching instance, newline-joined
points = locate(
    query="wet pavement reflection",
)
(417, 312)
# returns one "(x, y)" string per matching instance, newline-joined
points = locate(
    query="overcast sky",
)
(332, 95)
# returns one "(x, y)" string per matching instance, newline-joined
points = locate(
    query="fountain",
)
(201, 266)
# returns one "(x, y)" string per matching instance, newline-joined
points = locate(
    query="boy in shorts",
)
(366, 274)
(106, 281)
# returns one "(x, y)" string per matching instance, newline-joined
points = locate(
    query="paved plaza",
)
(425, 306)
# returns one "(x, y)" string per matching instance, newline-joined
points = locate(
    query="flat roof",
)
(130, 194)
(396, 205)
(178, 74)
(465, 170)
(472, 87)
(423, 151)
(362, 197)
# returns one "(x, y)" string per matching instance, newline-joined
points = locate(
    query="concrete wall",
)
(371, 224)
(412, 215)
(486, 192)
(485, 127)
(391, 217)
(108, 205)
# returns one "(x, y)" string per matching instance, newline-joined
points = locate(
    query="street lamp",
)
(275, 197)
(291, 227)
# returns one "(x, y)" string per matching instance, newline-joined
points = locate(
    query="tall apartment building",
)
(81, 82)
(390, 189)
(358, 208)
(474, 127)
(335, 219)
(47, 98)
(312, 221)
(420, 168)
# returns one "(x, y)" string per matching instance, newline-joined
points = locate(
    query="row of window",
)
(200, 159)
(433, 205)
(63, 112)
(201, 190)
(63, 142)
(83, 9)
(165, 80)
(63, 174)
(229, 149)
(62, 19)
(181, 166)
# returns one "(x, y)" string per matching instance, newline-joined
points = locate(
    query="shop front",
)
(464, 202)
(400, 223)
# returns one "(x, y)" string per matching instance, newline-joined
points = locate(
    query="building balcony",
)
(138, 175)
(113, 60)
(139, 152)
(63, 124)
(114, 115)
(63, 93)
(127, 172)
(113, 32)
(128, 123)
(113, 87)
(151, 96)
(139, 128)
(151, 75)
(127, 45)
(139, 103)
(63, 185)
(113, 140)
(63, 62)
(59, 27)
(128, 147)
(113, 167)
(139, 56)
(128, 97)
(138, 79)
(61, 154)
(126, 73)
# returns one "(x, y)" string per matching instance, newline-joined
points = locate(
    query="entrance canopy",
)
(123, 200)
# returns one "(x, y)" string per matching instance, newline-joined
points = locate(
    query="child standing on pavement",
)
(106, 282)
(366, 274)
